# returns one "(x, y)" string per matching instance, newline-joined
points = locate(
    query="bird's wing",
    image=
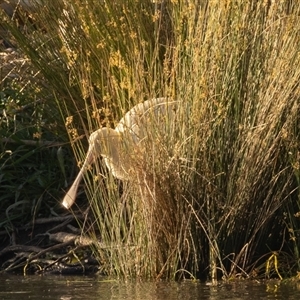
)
(135, 121)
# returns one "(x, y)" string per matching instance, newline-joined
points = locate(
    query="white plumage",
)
(116, 145)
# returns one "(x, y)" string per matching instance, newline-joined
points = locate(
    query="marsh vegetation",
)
(218, 195)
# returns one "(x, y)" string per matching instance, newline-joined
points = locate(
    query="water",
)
(70, 288)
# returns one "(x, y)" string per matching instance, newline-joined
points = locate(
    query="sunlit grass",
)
(212, 193)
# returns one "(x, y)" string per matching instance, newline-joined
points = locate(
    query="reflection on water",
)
(70, 288)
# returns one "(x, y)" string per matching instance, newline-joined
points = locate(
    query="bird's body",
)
(116, 145)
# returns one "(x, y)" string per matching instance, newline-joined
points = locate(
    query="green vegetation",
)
(218, 194)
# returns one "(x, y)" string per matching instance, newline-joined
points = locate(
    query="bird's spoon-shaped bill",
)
(70, 197)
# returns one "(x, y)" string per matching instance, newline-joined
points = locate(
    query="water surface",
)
(70, 288)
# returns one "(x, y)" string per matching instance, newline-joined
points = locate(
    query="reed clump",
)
(218, 189)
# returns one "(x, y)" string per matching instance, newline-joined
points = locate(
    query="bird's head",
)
(104, 142)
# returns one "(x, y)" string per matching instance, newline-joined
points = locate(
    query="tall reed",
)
(206, 198)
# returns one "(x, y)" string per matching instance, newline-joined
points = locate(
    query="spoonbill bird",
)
(115, 145)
